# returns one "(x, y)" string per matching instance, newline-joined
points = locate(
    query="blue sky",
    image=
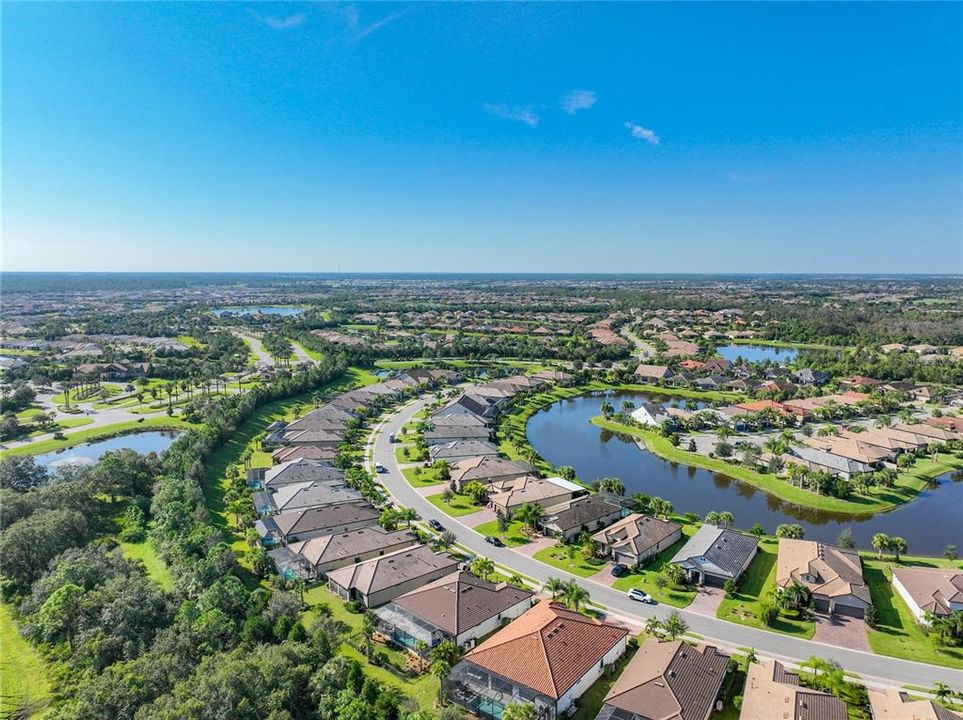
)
(482, 137)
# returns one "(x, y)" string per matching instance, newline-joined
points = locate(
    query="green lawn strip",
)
(17, 351)
(582, 564)
(512, 537)
(62, 424)
(28, 413)
(784, 344)
(459, 505)
(897, 633)
(313, 354)
(188, 340)
(728, 396)
(421, 477)
(644, 580)
(908, 484)
(412, 454)
(147, 554)
(100, 433)
(23, 673)
(756, 585)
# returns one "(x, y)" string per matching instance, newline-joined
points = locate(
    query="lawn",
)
(23, 674)
(897, 633)
(512, 537)
(908, 484)
(412, 454)
(645, 580)
(582, 563)
(155, 566)
(757, 584)
(421, 476)
(100, 433)
(459, 505)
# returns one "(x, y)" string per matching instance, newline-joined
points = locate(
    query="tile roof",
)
(838, 571)
(548, 649)
(636, 533)
(669, 681)
(331, 548)
(460, 601)
(387, 571)
(893, 704)
(774, 693)
(727, 549)
(579, 511)
(933, 589)
(303, 521)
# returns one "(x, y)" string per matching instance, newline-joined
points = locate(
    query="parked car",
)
(435, 525)
(636, 594)
(618, 570)
(391, 438)
(379, 468)
(491, 540)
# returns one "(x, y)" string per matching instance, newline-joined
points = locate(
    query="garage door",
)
(849, 610)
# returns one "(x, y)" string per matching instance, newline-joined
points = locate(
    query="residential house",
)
(851, 448)
(653, 372)
(714, 555)
(508, 495)
(773, 692)
(893, 704)
(820, 460)
(299, 496)
(484, 408)
(833, 575)
(589, 513)
(459, 607)
(718, 365)
(486, 469)
(446, 434)
(929, 591)
(379, 580)
(296, 471)
(668, 681)
(315, 557)
(461, 450)
(808, 376)
(298, 452)
(893, 347)
(649, 414)
(315, 522)
(547, 657)
(635, 538)
(315, 438)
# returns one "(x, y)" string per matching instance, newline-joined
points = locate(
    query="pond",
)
(89, 453)
(283, 310)
(757, 353)
(562, 434)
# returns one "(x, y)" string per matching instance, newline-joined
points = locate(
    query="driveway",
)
(707, 601)
(841, 631)
(535, 544)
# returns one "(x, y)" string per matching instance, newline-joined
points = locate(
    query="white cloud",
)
(578, 100)
(279, 23)
(355, 31)
(643, 133)
(517, 114)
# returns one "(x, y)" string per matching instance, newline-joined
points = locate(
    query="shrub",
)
(353, 606)
(768, 612)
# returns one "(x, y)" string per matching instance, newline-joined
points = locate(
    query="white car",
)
(636, 594)
(379, 468)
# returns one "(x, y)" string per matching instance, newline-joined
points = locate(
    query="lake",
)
(757, 353)
(283, 310)
(563, 435)
(89, 453)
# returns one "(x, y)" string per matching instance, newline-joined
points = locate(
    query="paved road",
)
(301, 354)
(868, 666)
(257, 347)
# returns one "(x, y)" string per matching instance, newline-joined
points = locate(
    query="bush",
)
(768, 612)
(871, 616)
(632, 643)
(729, 587)
(353, 606)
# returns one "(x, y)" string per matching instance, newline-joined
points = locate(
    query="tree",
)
(757, 530)
(712, 518)
(408, 515)
(58, 616)
(674, 626)
(389, 519)
(482, 567)
(950, 553)
(475, 492)
(660, 507)
(575, 595)
(443, 470)
(880, 543)
(369, 624)
(607, 409)
(566, 472)
(440, 669)
(942, 691)
(846, 539)
(726, 518)
(612, 485)
(447, 539)
(792, 531)
(751, 656)
(519, 711)
(530, 514)
(898, 546)
(555, 586)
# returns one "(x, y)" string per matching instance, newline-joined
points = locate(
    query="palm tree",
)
(530, 514)
(712, 518)
(612, 485)
(555, 586)
(674, 626)
(898, 546)
(575, 595)
(368, 627)
(607, 409)
(482, 567)
(408, 515)
(440, 669)
(880, 543)
(726, 518)
(942, 691)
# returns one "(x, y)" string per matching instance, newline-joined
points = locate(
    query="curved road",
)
(886, 670)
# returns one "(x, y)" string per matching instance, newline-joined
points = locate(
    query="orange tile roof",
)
(548, 649)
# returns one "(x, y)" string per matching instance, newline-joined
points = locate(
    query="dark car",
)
(434, 524)
(491, 540)
(618, 570)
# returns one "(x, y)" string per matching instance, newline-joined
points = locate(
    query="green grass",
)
(23, 673)
(313, 354)
(421, 476)
(782, 344)
(582, 564)
(412, 456)
(17, 351)
(189, 341)
(897, 633)
(459, 505)
(645, 579)
(758, 583)
(155, 566)
(729, 396)
(908, 484)
(512, 537)
(100, 433)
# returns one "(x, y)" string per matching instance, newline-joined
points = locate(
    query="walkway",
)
(790, 649)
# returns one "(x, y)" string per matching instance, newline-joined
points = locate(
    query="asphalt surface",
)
(885, 670)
